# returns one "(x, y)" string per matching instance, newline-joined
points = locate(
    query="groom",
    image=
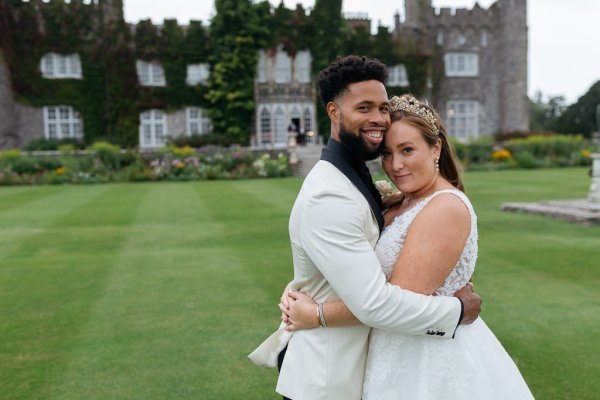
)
(334, 226)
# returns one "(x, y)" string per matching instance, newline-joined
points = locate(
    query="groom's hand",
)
(471, 303)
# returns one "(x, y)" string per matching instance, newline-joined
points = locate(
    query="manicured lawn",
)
(159, 291)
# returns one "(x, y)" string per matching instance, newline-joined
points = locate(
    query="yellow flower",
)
(501, 155)
(586, 153)
(59, 170)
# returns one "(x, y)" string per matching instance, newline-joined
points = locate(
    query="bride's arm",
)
(434, 243)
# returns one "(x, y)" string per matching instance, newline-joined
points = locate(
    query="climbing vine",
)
(109, 97)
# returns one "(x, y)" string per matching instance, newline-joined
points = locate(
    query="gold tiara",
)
(410, 104)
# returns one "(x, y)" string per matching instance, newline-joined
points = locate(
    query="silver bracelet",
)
(322, 321)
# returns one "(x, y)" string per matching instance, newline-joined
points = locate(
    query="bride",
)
(429, 246)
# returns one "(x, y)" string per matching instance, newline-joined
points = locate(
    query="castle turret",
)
(112, 11)
(512, 50)
(414, 11)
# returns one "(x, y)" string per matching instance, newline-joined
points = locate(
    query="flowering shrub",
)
(106, 163)
(501, 155)
(536, 151)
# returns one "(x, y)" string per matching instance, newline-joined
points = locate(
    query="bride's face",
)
(407, 159)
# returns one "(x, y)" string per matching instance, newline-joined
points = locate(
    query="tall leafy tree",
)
(238, 30)
(329, 32)
(581, 116)
(543, 113)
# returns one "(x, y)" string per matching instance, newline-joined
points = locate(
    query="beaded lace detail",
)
(394, 357)
(472, 365)
(393, 237)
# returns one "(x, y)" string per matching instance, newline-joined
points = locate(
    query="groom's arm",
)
(333, 235)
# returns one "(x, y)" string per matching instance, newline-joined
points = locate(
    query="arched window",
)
(261, 68)
(283, 67)
(265, 120)
(302, 67)
(279, 126)
(307, 119)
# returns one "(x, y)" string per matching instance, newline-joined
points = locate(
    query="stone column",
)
(594, 195)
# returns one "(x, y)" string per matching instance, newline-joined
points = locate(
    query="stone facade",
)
(478, 79)
(285, 98)
(497, 38)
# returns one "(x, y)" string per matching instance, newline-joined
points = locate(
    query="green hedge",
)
(537, 151)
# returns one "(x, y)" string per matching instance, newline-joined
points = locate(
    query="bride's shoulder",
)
(448, 210)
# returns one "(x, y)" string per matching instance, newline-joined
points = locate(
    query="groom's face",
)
(361, 118)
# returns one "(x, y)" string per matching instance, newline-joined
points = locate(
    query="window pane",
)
(194, 128)
(51, 113)
(193, 113)
(64, 113)
(52, 131)
(48, 65)
(62, 65)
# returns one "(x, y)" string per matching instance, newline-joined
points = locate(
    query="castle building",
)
(476, 78)
(480, 64)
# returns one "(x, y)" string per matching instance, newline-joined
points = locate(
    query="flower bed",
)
(104, 162)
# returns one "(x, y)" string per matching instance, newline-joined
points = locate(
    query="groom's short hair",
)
(335, 78)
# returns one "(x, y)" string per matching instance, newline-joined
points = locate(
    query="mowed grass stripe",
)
(258, 266)
(61, 271)
(162, 316)
(195, 282)
(133, 324)
(29, 216)
(17, 196)
(539, 279)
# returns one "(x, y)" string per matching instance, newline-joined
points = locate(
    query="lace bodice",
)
(392, 239)
(473, 365)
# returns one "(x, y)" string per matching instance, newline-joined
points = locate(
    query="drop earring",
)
(437, 164)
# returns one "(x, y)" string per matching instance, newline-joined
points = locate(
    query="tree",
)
(328, 32)
(543, 114)
(581, 116)
(238, 30)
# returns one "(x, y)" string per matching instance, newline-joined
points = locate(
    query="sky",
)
(564, 36)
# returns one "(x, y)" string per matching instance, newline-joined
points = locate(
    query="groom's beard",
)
(357, 145)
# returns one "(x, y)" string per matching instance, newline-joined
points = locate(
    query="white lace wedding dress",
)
(473, 365)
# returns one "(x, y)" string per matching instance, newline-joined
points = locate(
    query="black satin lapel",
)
(345, 168)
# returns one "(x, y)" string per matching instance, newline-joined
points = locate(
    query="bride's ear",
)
(437, 148)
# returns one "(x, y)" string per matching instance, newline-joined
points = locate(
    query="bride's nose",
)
(397, 164)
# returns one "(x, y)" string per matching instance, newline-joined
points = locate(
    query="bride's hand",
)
(301, 312)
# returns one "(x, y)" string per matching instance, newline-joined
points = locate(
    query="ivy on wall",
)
(109, 97)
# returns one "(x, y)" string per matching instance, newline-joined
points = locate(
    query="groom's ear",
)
(333, 112)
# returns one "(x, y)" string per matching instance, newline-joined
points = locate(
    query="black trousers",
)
(280, 358)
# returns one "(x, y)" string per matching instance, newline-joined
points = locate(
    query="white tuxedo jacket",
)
(333, 233)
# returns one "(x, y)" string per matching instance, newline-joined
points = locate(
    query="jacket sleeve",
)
(333, 236)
